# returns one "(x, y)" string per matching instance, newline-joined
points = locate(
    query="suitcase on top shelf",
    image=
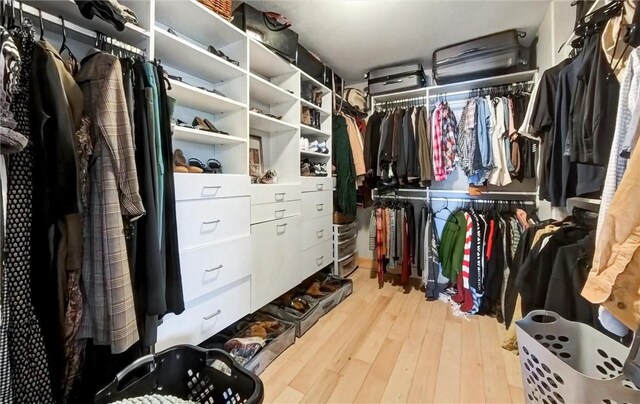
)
(395, 79)
(310, 64)
(486, 56)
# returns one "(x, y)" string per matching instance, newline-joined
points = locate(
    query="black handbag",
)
(272, 29)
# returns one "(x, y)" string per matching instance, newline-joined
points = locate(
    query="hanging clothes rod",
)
(37, 13)
(489, 193)
(573, 36)
(466, 92)
(402, 101)
(442, 199)
(400, 198)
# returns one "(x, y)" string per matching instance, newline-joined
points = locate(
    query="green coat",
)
(452, 245)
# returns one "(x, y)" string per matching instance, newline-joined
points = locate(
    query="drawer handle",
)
(320, 207)
(280, 213)
(319, 260)
(281, 226)
(280, 196)
(213, 269)
(211, 222)
(319, 187)
(212, 315)
(319, 233)
(206, 187)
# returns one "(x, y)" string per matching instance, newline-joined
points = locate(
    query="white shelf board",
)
(268, 93)
(68, 9)
(185, 56)
(308, 153)
(204, 137)
(274, 185)
(311, 105)
(192, 97)
(484, 82)
(306, 130)
(305, 77)
(197, 22)
(181, 176)
(267, 124)
(266, 63)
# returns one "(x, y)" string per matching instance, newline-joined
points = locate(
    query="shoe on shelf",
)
(180, 163)
(221, 54)
(313, 146)
(215, 166)
(195, 163)
(322, 148)
(304, 143)
(305, 169)
(305, 116)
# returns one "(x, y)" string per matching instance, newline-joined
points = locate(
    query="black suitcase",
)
(310, 64)
(279, 38)
(486, 56)
(395, 79)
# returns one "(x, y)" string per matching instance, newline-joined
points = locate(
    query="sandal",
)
(215, 166)
(193, 162)
(180, 163)
(299, 304)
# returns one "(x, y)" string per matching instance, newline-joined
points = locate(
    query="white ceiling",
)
(355, 36)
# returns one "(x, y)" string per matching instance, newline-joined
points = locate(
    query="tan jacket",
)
(614, 280)
(612, 36)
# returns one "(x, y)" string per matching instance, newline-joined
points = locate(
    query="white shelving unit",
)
(241, 245)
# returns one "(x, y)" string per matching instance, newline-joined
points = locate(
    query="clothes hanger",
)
(41, 25)
(73, 61)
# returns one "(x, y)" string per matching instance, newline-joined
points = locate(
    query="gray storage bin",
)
(274, 348)
(568, 362)
(303, 322)
(268, 353)
(331, 300)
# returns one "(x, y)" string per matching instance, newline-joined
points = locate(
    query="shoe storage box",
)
(331, 300)
(303, 322)
(308, 63)
(269, 352)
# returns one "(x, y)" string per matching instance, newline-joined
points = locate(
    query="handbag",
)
(355, 98)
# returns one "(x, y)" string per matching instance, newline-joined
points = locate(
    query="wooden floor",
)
(385, 345)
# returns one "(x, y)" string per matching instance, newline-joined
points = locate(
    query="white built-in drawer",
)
(275, 193)
(210, 221)
(208, 268)
(207, 317)
(199, 186)
(276, 248)
(317, 204)
(316, 231)
(316, 184)
(277, 210)
(316, 258)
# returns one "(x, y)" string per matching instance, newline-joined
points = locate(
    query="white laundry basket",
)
(567, 362)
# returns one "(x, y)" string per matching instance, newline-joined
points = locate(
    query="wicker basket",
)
(341, 218)
(222, 7)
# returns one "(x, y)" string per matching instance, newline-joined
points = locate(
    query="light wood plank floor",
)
(386, 345)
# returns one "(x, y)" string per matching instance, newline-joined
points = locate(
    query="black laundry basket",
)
(189, 373)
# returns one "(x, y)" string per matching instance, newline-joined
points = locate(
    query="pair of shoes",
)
(206, 125)
(305, 116)
(320, 169)
(314, 290)
(270, 177)
(221, 54)
(213, 166)
(318, 147)
(305, 169)
(180, 164)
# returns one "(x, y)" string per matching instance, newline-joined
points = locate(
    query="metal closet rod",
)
(402, 198)
(443, 199)
(466, 92)
(447, 191)
(22, 7)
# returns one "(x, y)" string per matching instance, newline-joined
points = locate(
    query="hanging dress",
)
(28, 358)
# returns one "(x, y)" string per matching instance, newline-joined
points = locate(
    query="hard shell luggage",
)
(486, 56)
(395, 79)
